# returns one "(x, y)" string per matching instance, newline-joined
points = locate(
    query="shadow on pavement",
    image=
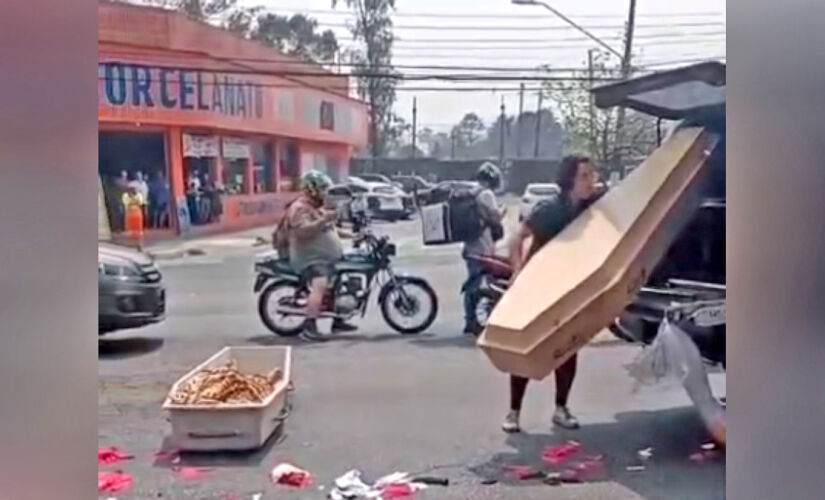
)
(216, 459)
(129, 347)
(674, 434)
(453, 340)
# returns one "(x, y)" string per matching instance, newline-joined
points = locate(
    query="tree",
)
(599, 137)
(373, 62)
(295, 35)
(467, 133)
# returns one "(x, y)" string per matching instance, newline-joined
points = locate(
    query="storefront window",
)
(200, 164)
(290, 165)
(262, 168)
(237, 153)
(233, 176)
(134, 161)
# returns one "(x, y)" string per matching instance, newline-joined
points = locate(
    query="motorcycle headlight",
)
(122, 272)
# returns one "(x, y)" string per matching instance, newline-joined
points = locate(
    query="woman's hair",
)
(568, 169)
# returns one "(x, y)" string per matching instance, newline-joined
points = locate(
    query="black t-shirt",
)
(550, 217)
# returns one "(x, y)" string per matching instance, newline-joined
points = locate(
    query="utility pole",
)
(452, 144)
(518, 119)
(628, 53)
(414, 127)
(591, 104)
(501, 137)
(538, 127)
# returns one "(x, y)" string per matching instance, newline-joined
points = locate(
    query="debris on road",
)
(396, 485)
(645, 454)
(113, 481)
(432, 481)
(290, 475)
(523, 472)
(635, 468)
(167, 456)
(558, 454)
(704, 456)
(111, 455)
(191, 473)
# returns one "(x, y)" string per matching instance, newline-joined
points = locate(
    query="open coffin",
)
(580, 281)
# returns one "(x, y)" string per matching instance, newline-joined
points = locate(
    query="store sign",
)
(236, 149)
(143, 86)
(200, 146)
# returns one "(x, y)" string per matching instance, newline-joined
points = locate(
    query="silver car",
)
(130, 290)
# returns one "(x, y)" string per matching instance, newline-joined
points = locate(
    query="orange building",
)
(219, 128)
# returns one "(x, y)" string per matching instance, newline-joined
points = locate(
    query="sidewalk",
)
(248, 238)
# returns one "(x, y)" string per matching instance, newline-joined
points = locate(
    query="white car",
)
(535, 193)
(384, 201)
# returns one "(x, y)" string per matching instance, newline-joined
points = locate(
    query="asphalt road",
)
(381, 402)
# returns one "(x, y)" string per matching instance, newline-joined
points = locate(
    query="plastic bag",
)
(673, 354)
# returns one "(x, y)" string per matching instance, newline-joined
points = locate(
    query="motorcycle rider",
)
(314, 248)
(489, 176)
(576, 178)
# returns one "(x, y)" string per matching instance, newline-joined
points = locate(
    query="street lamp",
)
(571, 23)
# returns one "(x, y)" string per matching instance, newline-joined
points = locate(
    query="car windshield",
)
(542, 190)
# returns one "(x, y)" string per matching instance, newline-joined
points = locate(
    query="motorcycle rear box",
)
(233, 426)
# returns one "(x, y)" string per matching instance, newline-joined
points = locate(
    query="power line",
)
(545, 47)
(470, 15)
(542, 40)
(538, 68)
(431, 27)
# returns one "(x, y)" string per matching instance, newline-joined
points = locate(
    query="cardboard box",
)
(583, 278)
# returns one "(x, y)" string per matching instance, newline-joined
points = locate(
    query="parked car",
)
(535, 193)
(412, 183)
(130, 289)
(441, 191)
(377, 178)
(385, 201)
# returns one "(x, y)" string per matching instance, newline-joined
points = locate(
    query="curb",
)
(175, 254)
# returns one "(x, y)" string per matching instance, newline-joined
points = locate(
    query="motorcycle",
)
(495, 278)
(408, 304)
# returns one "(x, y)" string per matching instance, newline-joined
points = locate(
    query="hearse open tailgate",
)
(581, 280)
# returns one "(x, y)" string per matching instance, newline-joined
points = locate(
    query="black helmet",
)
(489, 174)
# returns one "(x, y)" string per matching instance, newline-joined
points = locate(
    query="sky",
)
(497, 34)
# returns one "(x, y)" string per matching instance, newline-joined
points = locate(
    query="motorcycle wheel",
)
(483, 309)
(279, 323)
(409, 298)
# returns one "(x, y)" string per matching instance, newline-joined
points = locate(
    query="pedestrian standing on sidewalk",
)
(576, 177)
(133, 203)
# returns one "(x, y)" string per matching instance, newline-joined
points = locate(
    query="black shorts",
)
(317, 271)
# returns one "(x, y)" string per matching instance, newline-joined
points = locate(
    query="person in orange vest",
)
(133, 203)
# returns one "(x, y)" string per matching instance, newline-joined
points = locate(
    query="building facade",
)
(213, 129)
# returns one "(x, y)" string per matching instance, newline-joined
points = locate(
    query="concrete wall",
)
(517, 173)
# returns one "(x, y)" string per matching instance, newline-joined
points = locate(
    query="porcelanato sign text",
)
(135, 85)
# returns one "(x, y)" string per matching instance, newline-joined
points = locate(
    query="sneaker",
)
(341, 326)
(310, 333)
(563, 418)
(510, 423)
